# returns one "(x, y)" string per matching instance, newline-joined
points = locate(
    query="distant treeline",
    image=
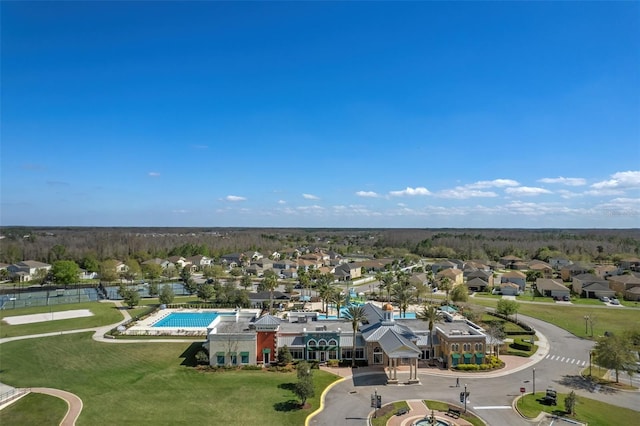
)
(77, 243)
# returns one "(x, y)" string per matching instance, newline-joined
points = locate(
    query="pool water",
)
(187, 319)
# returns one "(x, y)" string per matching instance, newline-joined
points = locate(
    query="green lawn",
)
(153, 383)
(590, 411)
(34, 409)
(571, 317)
(103, 314)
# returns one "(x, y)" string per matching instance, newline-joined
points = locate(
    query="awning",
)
(323, 348)
(266, 351)
(455, 356)
(479, 355)
(244, 353)
(468, 356)
(219, 353)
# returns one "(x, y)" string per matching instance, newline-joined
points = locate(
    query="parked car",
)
(614, 301)
(566, 298)
(604, 299)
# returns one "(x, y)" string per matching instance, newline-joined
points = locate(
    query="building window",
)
(455, 347)
(377, 355)
(346, 354)
(466, 347)
(297, 353)
(244, 357)
(220, 358)
(234, 358)
(333, 354)
(333, 342)
(322, 342)
(478, 347)
(312, 343)
(359, 353)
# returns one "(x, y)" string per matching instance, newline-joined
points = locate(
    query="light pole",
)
(586, 324)
(590, 354)
(534, 382)
(465, 397)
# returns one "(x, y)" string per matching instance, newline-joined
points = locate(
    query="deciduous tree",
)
(65, 272)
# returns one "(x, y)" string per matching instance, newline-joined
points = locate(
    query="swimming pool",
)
(186, 319)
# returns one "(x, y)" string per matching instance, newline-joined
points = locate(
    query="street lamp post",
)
(534, 382)
(590, 354)
(586, 324)
(465, 397)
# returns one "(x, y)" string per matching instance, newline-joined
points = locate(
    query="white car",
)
(614, 301)
(604, 299)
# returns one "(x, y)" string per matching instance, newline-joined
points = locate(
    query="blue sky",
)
(320, 114)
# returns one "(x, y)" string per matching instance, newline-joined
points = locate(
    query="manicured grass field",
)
(590, 411)
(34, 409)
(571, 317)
(154, 383)
(103, 314)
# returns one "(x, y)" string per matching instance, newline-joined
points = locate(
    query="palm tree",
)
(270, 282)
(335, 297)
(387, 280)
(356, 314)
(445, 284)
(403, 296)
(433, 315)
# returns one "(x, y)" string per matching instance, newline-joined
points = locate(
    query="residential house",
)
(597, 290)
(121, 267)
(442, 265)
(544, 268)
(477, 284)
(622, 283)
(455, 275)
(348, 271)
(486, 276)
(233, 260)
(604, 271)
(28, 269)
(552, 288)
(508, 261)
(558, 263)
(515, 277)
(509, 289)
(200, 261)
(570, 271)
(179, 261)
(630, 264)
(582, 280)
(632, 294)
(164, 263)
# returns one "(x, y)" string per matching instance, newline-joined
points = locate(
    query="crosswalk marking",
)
(566, 359)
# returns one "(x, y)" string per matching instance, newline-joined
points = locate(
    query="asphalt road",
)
(348, 403)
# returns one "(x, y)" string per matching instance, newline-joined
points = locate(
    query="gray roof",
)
(267, 320)
(395, 345)
(291, 341)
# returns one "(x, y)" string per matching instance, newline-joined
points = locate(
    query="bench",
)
(453, 412)
(402, 411)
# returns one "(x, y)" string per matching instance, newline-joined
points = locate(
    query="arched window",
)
(333, 342)
(478, 347)
(455, 347)
(322, 342)
(312, 343)
(466, 347)
(377, 355)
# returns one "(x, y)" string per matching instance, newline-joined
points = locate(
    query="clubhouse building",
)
(381, 340)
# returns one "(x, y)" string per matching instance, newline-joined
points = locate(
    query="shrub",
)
(467, 367)
(333, 363)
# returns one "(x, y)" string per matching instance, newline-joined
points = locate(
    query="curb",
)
(322, 397)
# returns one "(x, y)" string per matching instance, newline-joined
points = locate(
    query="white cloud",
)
(154, 174)
(565, 181)
(234, 198)
(463, 192)
(527, 191)
(282, 202)
(310, 197)
(180, 211)
(496, 183)
(410, 192)
(568, 194)
(604, 192)
(629, 179)
(369, 194)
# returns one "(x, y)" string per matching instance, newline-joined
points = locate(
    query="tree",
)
(133, 269)
(185, 274)
(356, 314)
(403, 296)
(166, 295)
(153, 289)
(270, 282)
(246, 282)
(507, 307)
(57, 252)
(206, 292)
(108, 271)
(131, 297)
(284, 355)
(152, 271)
(387, 281)
(433, 315)
(65, 272)
(304, 388)
(460, 293)
(614, 352)
(570, 402)
(496, 334)
(90, 263)
(190, 286)
(445, 285)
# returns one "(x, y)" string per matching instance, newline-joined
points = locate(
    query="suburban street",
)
(491, 398)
